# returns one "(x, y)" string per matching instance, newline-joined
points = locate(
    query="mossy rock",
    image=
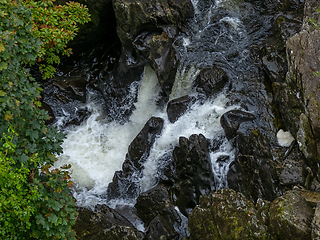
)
(226, 214)
(103, 223)
(290, 217)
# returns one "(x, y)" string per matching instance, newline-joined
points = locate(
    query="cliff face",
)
(303, 84)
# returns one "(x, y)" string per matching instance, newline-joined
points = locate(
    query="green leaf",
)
(24, 158)
(53, 218)
(3, 65)
(39, 219)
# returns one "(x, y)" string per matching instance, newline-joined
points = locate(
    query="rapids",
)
(224, 33)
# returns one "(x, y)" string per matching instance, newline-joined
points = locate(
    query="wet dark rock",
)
(211, 81)
(274, 59)
(123, 183)
(157, 49)
(226, 214)
(254, 177)
(253, 172)
(59, 93)
(189, 175)
(152, 203)
(292, 173)
(230, 121)
(104, 223)
(177, 107)
(155, 209)
(276, 67)
(119, 92)
(290, 217)
(132, 16)
(162, 59)
(161, 228)
(146, 30)
(289, 104)
(276, 6)
(251, 141)
(284, 26)
(78, 117)
(66, 89)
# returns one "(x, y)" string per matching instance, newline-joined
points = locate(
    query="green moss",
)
(280, 20)
(255, 132)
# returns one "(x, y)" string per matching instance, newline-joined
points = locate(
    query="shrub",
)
(35, 203)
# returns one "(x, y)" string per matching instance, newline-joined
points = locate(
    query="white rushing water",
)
(96, 149)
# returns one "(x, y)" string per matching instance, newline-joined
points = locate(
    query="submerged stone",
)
(177, 107)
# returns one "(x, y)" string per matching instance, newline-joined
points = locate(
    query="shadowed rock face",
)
(147, 29)
(298, 97)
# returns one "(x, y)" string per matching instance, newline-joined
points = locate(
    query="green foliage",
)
(55, 26)
(35, 202)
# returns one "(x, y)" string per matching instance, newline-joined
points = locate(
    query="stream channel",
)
(225, 34)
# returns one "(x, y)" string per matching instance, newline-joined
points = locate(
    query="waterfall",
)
(217, 36)
(96, 149)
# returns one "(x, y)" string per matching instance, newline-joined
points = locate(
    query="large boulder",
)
(226, 214)
(189, 175)
(177, 107)
(211, 80)
(231, 120)
(104, 223)
(124, 182)
(155, 209)
(290, 217)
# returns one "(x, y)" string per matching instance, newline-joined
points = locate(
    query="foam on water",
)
(200, 119)
(96, 149)
(284, 138)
